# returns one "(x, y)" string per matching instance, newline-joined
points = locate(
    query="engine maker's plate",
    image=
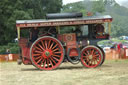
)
(69, 37)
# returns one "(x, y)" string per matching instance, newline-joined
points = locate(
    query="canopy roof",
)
(63, 22)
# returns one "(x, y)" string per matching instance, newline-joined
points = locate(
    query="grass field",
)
(110, 73)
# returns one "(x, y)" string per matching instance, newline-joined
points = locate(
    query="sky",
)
(70, 1)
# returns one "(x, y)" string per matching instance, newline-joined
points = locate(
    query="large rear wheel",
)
(47, 53)
(91, 56)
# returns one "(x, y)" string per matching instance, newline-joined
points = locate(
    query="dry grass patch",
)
(111, 72)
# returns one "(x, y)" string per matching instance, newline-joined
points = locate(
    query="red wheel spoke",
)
(47, 62)
(38, 52)
(87, 61)
(85, 53)
(57, 52)
(46, 44)
(43, 44)
(36, 58)
(54, 46)
(44, 64)
(55, 49)
(52, 60)
(88, 53)
(92, 52)
(39, 60)
(51, 45)
(51, 63)
(91, 62)
(38, 48)
(96, 55)
(85, 57)
(57, 55)
(96, 59)
(42, 61)
(55, 58)
(41, 47)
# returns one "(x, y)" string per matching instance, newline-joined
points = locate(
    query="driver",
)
(99, 30)
(33, 34)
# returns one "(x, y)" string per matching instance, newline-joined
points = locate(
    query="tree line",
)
(12, 10)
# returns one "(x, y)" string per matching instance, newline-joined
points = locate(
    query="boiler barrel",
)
(63, 15)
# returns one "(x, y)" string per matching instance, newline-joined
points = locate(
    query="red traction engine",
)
(62, 37)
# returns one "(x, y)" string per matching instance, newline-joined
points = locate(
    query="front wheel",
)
(46, 53)
(91, 56)
(103, 53)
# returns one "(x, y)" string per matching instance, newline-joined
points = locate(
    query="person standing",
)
(115, 51)
(7, 55)
(119, 47)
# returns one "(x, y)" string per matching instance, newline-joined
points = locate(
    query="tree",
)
(12, 10)
(98, 6)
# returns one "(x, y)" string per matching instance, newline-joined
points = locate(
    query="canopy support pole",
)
(58, 29)
(109, 28)
(18, 32)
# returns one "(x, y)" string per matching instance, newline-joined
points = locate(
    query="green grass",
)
(110, 73)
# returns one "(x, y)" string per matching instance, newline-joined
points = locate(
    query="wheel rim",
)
(103, 53)
(47, 53)
(91, 56)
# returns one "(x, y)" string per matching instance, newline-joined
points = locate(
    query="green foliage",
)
(73, 7)
(12, 10)
(120, 19)
(104, 7)
(66, 29)
(98, 6)
(85, 6)
(13, 47)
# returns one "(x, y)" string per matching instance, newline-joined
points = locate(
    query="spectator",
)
(119, 46)
(7, 54)
(115, 51)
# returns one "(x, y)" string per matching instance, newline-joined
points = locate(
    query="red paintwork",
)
(60, 37)
(73, 52)
(70, 40)
(26, 55)
(103, 36)
(23, 43)
(66, 37)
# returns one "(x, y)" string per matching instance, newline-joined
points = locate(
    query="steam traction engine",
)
(48, 42)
